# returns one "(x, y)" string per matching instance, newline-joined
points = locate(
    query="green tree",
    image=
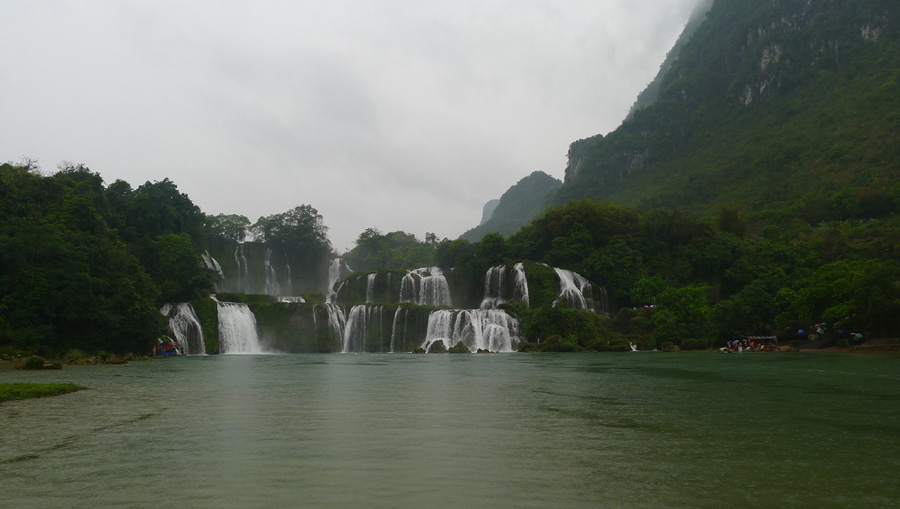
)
(178, 269)
(395, 250)
(682, 313)
(300, 228)
(232, 227)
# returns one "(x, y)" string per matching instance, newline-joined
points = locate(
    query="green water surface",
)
(515, 430)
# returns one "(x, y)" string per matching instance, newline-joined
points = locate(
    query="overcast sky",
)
(403, 115)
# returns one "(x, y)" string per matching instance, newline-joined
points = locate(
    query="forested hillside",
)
(519, 204)
(759, 174)
(768, 102)
(755, 190)
(88, 266)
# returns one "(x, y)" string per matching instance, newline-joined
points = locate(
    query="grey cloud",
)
(253, 108)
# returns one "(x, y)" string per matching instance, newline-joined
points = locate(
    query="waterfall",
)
(574, 290)
(493, 287)
(272, 287)
(336, 325)
(601, 303)
(214, 266)
(440, 328)
(435, 290)
(479, 329)
(370, 287)
(409, 288)
(361, 323)
(242, 269)
(425, 287)
(287, 268)
(237, 329)
(186, 328)
(521, 290)
(394, 338)
(336, 272)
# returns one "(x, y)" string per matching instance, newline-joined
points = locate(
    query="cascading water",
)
(214, 266)
(601, 303)
(521, 282)
(272, 287)
(478, 329)
(287, 269)
(574, 290)
(336, 271)
(409, 288)
(440, 328)
(336, 325)
(493, 287)
(242, 269)
(425, 287)
(396, 339)
(186, 328)
(361, 323)
(435, 290)
(370, 287)
(237, 329)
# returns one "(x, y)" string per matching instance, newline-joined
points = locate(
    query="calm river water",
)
(516, 430)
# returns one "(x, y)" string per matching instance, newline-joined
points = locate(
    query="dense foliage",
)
(697, 281)
(86, 266)
(395, 250)
(766, 102)
(301, 229)
(70, 260)
(762, 168)
(753, 191)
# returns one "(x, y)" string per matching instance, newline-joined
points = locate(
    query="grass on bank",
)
(15, 391)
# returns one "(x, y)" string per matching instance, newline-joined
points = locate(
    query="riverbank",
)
(877, 345)
(17, 391)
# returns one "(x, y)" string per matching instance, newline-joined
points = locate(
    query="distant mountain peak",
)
(520, 204)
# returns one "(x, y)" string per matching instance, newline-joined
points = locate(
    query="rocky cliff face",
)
(786, 91)
(488, 211)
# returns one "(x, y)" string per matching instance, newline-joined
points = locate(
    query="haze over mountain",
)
(518, 206)
(766, 102)
(757, 195)
(351, 106)
(757, 104)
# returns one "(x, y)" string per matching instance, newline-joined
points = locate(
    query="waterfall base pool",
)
(516, 430)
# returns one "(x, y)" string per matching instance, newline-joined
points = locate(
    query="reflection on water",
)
(699, 430)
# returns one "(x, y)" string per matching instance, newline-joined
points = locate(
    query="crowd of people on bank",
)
(752, 344)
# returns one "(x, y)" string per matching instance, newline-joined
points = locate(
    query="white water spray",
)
(336, 272)
(214, 266)
(370, 287)
(185, 327)
(521, 282)
(425, 287)
(478, 329)
(237, 329)
(493, 287)
(574, 290)
(272, 287)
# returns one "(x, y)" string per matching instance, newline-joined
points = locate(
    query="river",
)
(498, 430)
